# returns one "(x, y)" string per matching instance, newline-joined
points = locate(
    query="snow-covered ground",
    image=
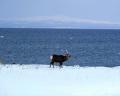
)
(40, 80)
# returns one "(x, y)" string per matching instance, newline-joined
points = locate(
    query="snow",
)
(40, 80)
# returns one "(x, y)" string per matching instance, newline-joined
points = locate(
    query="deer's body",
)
(58, 59)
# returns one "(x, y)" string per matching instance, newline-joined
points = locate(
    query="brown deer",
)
(59, 59)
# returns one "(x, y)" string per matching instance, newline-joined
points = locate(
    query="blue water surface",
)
(88, 47)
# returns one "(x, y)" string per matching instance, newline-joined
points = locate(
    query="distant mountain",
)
(55, 24)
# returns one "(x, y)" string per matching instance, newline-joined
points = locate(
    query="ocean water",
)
(88, 47)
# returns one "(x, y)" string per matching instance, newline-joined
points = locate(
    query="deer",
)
(59, 59)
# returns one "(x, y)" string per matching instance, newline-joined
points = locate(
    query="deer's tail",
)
(51, 57)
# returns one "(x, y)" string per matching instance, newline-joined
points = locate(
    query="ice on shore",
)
(40, 80)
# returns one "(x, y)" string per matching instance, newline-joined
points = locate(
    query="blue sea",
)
(88, 47)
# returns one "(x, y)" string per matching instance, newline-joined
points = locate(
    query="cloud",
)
(63, 19)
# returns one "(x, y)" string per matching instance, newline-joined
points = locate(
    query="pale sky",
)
(99, 10)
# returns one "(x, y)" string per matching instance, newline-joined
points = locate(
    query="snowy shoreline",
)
(40, 80)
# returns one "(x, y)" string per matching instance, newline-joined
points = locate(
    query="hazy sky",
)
(101, 10)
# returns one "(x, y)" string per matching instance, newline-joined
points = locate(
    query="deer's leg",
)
(61, 63)
(51, 63)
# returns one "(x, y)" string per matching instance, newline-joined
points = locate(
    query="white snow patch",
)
(40, 80)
